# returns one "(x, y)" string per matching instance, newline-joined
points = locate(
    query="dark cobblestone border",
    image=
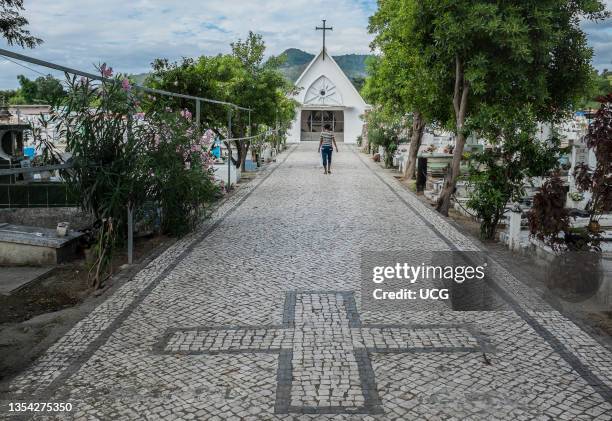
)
(585, 372)
(116, 323)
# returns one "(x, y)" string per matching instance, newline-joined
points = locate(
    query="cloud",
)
(129, 35)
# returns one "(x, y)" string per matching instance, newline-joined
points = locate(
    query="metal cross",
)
(324, 364)
(324, 28)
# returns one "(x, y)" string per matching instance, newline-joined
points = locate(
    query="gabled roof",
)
(328, 57)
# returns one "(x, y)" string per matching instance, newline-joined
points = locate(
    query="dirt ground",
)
(35, 316)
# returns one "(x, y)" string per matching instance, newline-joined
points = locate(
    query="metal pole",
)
(229, 148)
(198, 113)
(130, 221)
(88, 75)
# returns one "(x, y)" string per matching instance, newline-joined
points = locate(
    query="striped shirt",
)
(327, 138)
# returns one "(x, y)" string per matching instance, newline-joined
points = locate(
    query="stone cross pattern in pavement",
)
(324, 365)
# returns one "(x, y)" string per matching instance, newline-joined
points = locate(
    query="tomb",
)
(11, 144)
(22, 245)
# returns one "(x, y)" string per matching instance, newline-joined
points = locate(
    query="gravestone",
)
(27, 245)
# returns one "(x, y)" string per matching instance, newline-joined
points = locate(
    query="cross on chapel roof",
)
(324, 29)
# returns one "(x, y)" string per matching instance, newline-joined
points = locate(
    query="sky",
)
(130, 34)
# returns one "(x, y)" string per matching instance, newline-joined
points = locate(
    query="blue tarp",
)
(29, 152)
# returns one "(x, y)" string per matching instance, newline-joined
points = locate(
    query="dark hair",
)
(327, 127)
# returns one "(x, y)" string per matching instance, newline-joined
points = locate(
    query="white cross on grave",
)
(324, 350)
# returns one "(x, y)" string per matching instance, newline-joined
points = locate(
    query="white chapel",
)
(326, 96)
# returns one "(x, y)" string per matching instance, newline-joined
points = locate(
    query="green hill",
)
(352, 64)
(296, 61)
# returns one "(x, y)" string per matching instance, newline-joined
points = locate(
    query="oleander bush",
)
(123, 158)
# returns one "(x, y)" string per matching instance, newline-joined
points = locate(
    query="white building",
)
(326, 96)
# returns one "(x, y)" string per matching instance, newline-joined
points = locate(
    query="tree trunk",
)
(418, 124)
(365, 145)
(244, 148)
(460, 106)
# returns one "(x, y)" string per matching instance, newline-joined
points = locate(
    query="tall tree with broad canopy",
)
(506, 53)
(399, 79)
(260, 87)
(242, 78)
(45, 89)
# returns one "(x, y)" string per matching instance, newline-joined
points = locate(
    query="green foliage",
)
(44, 89)
(482, 55)
(180, 177)
(242, 78)
(17, 100)
(399, 79)
(123, 158)
(600, 86)
(386, 130)
(12, 25)
(498, 175)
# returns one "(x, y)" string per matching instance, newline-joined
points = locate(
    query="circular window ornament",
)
(324, 92)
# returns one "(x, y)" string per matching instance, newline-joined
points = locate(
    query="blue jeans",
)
(326, 153)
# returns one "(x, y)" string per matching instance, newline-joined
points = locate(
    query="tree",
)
(598, 180)
(45, 89)
(512, 54)
(385, 129)
(123, 158)
(206, 77)
(400, 79)
(12, 25)
(499, 174)
(242, 78)
(549, 220)
(601, 85)
(260, 87)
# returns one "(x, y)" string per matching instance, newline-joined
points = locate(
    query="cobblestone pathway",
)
(258, 316)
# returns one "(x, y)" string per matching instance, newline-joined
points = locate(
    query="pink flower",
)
(207, 137)
(106, 71)
(186, 114)
(140, 116)
(125, 84)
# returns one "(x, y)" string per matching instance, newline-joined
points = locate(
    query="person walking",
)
(326, 147)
